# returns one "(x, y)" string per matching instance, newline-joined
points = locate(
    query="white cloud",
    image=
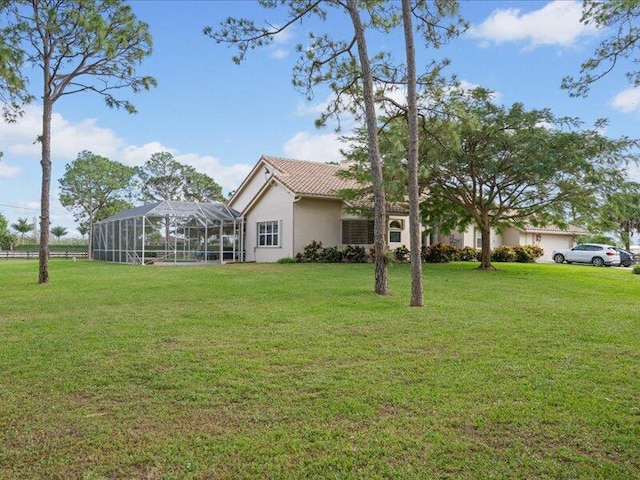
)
(317, 148)
(285, 36)
(279, 53)
(304, 109)
(557, 23)
(633, 173)
(8, 171)
(627, 101)
(67, 138)
(24, 131)
(137, 155)
(228, 177)
(280, 41)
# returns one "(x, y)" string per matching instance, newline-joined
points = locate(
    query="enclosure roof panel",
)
(215, 211)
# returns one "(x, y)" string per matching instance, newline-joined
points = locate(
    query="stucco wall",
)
(274, 205)
(249, 190)
(316, 219)
(513, 237)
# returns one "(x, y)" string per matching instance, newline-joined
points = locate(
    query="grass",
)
(299, 371)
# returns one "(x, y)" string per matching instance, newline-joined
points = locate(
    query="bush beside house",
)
(436, 253)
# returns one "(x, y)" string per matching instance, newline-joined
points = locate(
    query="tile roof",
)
(314, 179)
(555, 229)
(307, 178)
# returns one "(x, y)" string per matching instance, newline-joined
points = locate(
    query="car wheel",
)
(597, 262)
(558, 258)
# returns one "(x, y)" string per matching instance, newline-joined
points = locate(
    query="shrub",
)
(401, 254)
(354, 254)
(8, 241)
(536, 250)
(286, 260)
(468, 254)
(636, 269)
(439, 253)
(503, 253)
(312, 253)
(527, 253)
(331, 255)
(315, 253)
(78, 247)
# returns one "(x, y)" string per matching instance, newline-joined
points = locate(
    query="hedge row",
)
(82, 247)
(442, 253)
(437, 253)
(316, 253)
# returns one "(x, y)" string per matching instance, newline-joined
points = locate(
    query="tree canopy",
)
(58, 232)
(22, 226)
(162, 177)
(620, 213)
(7, 240)
(622, 19)
(493, 166)
(93, 186)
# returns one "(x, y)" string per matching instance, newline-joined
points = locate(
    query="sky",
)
(221, 117)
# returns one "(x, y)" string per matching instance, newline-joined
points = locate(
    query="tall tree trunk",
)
(414, 200)
(43, 271)
(90, 232)
(380, 214)
(485, 254)
(626, 235)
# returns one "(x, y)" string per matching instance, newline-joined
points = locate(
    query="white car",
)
(597, 254)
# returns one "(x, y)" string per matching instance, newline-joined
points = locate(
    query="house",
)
(287, 204)
(549, 238)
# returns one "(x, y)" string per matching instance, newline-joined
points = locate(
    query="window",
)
(268, 234)
(357, 232)
(478, 238)
(395, 231)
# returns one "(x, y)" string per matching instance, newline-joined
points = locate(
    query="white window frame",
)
(275, 234)
(478, 235)
(396, 229)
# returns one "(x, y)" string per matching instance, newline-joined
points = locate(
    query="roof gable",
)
(305, 178)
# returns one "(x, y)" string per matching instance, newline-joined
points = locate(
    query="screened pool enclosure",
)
(171, 231)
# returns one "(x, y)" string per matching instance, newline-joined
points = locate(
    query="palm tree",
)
(22, 226)
(58, 232)
(83, 229)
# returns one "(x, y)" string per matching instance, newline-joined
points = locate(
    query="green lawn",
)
(299, 371)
